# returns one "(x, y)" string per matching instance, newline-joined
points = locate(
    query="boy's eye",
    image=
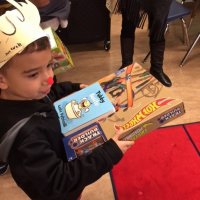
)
(33, 75)
(51, 65)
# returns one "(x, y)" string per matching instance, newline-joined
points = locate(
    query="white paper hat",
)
(18, 28)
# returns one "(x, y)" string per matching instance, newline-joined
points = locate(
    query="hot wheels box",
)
(61, 56)
(142, 103)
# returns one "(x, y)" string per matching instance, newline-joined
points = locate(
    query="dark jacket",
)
(37, 158)
(55, 8)
(136, 12)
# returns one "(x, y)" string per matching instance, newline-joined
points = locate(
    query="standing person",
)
(134, 13)
(53, 13)
(30, 135)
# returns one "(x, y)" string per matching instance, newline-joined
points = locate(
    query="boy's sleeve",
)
(54, 178)
(63, 89)
(66, 88)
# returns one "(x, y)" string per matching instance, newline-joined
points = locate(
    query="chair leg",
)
(185, 32)
(189, 50)
(167, 28)
(146, 57)
(189, 25)
(194, 11)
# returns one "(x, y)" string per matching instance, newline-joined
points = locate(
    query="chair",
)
(177, 11)
(189, 50)
(196, 4)
(193, 14)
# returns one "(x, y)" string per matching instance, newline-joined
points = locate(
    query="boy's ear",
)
(3, 82)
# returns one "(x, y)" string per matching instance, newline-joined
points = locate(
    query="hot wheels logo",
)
(145, 112)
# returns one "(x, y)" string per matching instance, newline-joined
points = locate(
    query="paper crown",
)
(18, 28)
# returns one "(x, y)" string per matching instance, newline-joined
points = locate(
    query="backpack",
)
(8, 139)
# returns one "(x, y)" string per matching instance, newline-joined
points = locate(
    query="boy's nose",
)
(50, 81)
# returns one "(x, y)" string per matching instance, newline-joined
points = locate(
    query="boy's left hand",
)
(83, 85)
(122, 144)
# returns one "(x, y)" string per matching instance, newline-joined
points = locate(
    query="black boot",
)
(162, 77)
(157, 56)
(127, 49)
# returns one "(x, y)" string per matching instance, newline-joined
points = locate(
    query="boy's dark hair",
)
(38, 45)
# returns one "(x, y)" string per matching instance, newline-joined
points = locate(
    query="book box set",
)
(140, 103)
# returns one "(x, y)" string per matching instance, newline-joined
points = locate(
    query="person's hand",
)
(123, 145)
(83, 85)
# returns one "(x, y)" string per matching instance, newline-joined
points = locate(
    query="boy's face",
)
(26, 76)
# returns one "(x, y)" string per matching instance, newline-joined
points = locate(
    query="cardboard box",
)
(61, 55)
(82, 142)
(142, 103)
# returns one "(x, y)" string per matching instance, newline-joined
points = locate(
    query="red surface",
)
(193, 130)
(163, 165)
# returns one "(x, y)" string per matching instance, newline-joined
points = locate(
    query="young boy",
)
(30, 136)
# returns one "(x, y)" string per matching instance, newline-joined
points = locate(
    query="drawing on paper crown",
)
(18, 28)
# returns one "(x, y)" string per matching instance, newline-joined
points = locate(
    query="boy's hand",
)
(123, 145)
(83, 85)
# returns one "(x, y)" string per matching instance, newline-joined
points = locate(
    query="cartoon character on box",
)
(75, 110)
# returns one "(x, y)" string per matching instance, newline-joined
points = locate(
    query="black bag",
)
(89, 21)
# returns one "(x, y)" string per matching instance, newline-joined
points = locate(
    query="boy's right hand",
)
(123, 145)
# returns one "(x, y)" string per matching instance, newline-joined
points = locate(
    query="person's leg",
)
(158, 13)
(127, 39)
(130, 10)
(157, 56)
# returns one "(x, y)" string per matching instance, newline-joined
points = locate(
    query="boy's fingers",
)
(118, 130)
(129, 143)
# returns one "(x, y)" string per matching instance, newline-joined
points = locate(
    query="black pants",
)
(132, 14)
